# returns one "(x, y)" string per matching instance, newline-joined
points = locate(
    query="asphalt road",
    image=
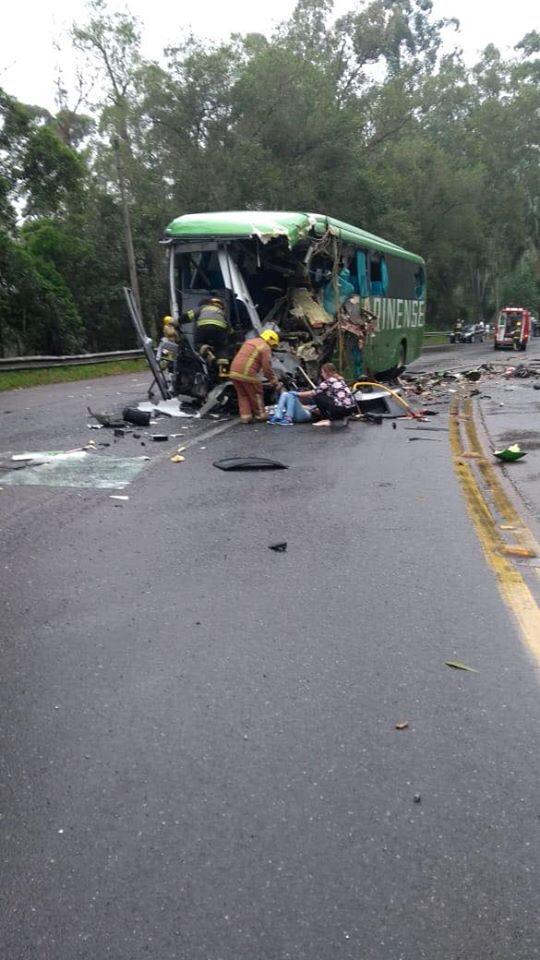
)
(199, 752)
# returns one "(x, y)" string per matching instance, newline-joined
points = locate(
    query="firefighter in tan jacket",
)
(253, 357)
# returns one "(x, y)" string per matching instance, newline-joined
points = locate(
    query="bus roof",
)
(268, 224)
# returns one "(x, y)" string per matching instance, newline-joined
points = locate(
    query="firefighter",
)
(170, 331)
(213, 329)
(254, 355)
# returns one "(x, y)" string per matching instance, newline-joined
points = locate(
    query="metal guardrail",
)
(37, 363)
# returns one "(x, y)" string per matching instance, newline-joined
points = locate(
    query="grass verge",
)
(16, 379)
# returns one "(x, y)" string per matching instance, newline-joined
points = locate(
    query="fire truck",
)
(513, 329)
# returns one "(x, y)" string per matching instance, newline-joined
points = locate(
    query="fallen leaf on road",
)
(458, 665)
(177, 459)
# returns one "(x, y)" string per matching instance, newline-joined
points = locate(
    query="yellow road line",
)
(512, 586)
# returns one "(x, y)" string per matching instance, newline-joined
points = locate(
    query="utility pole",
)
(128, 232)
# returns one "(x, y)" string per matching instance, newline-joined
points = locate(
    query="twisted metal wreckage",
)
(332, 291)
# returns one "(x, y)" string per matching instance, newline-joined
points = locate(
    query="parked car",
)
(471, 334)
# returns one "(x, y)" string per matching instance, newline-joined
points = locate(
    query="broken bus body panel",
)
(318, 281)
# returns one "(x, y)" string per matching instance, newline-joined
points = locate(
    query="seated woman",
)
(289, 410)
(331, 399)
(332, 396)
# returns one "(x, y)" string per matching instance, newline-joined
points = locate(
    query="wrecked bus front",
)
(331, 290)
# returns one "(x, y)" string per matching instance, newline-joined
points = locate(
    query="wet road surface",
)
(199, 752)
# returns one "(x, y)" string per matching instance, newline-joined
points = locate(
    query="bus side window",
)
(361, 278)
(420, 284)
(378, 276)
(407, 279)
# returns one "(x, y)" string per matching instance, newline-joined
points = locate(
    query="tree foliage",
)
(370, 117)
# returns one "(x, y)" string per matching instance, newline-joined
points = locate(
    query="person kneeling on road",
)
(253, 357)
(332, 396)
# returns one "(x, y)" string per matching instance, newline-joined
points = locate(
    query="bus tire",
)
(402, 353)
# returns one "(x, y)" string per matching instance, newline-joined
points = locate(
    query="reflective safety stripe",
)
(247, 358)
(222, 324)
(252, 359)
(241, 376)
(210, 316)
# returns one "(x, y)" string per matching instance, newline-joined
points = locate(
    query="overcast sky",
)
(28, 59)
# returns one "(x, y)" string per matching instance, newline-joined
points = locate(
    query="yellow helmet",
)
(271, 338)
(168, 320)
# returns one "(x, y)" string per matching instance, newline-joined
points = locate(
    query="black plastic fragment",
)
(141, 418)
(278, 547)
(159, 437)
(249, 463)
(373, 418)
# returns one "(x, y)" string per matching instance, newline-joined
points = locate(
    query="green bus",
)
(325, 286)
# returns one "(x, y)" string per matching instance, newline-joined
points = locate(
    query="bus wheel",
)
(402, 353)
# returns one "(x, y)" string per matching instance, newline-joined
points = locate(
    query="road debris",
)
(106, 419)
(510, 454)
(168, 408)
(117, 496)
(141, 418)
(402, 725)
(160, 437)
(514, 550)
(178, 458)
(458, 665)
(249, 463)
(278, 547)
(417, 798)
(73, 468)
